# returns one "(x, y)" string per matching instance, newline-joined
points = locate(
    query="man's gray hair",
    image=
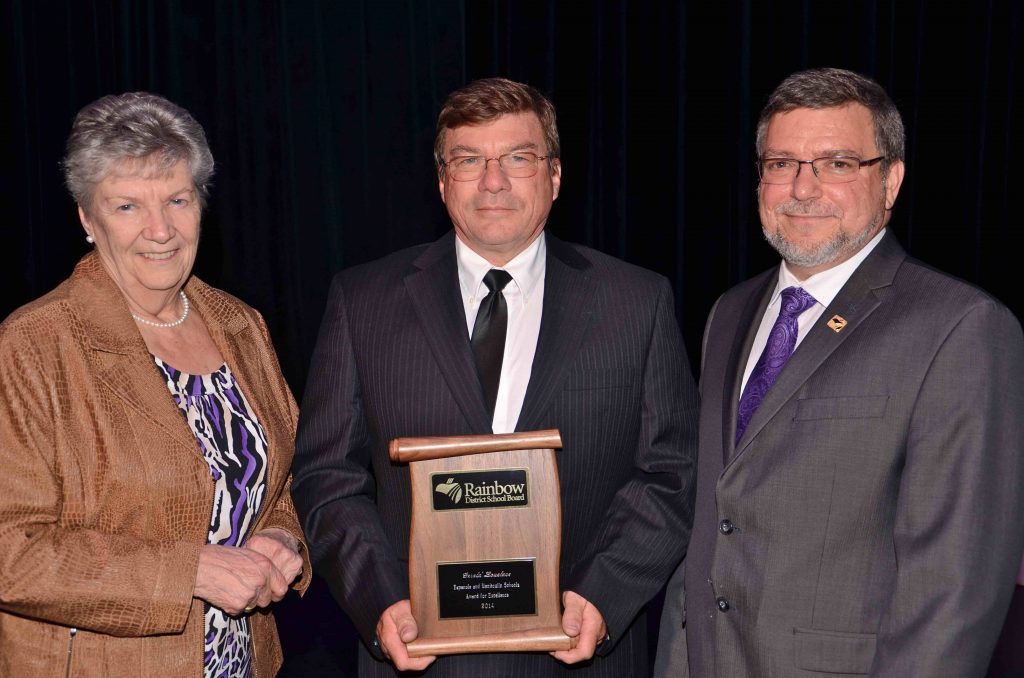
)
(831, 87)
(131, 127)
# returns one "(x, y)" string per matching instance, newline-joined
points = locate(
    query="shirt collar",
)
(526, 268)
(824, 286)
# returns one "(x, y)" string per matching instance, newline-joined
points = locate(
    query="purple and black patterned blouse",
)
(235, 446)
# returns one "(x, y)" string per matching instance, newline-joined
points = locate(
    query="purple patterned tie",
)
(781, 342)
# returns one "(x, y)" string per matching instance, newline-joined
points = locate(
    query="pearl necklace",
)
(184, 314)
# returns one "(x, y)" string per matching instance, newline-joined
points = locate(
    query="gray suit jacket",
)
(874, 500)
(610, 372)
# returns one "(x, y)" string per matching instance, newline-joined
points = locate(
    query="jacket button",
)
(726, 526)
(723, 604)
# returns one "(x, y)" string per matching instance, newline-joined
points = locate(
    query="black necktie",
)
(489, 335)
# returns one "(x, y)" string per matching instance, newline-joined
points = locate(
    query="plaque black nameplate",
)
(491, 588)
(462, 490)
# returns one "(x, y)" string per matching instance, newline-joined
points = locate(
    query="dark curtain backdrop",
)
(321, 118)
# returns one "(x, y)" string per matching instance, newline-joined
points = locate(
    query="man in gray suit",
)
(587, 344)
(860, 470)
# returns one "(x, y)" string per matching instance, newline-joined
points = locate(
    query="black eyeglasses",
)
(836, 169)
(518, 165)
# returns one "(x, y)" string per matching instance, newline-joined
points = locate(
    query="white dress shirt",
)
(524, 297)
(822, 286)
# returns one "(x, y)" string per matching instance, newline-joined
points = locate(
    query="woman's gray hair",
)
(830, 87)
(128, 127)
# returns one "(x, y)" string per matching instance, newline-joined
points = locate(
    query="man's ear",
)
(893, 181)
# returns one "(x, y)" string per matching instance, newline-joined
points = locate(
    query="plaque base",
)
(532, 640)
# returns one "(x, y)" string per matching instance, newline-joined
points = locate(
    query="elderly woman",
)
(145, 433)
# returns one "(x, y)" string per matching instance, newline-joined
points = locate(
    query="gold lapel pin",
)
(837, 323)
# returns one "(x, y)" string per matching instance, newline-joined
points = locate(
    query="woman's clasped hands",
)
(240, 579)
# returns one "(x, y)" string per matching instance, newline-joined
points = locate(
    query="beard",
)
(842, 245)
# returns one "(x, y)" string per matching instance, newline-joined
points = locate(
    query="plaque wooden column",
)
(485, 543)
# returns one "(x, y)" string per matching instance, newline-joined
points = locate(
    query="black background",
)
(321, 118)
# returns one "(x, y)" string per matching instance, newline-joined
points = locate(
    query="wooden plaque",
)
(485, 543)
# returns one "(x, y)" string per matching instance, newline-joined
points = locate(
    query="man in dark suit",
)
(860, 470)
(590, 347)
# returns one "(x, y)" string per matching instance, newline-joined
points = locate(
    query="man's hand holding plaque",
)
(585, 624)
(397, 627)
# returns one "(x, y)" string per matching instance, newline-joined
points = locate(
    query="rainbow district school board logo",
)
(480, 489)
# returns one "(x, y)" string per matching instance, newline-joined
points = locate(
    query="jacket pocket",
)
(844, 407)
(834, 651)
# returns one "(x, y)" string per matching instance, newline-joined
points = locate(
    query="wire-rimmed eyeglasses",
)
(517, 165)
(835, 169)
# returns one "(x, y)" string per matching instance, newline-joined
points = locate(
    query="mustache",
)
(804, 208)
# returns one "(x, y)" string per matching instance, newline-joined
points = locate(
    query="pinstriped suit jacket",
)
(875, 497)
(393, 359)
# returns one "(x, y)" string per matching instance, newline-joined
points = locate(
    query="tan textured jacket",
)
(105, 499)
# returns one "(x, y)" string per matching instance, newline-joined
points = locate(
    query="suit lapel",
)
(125, 375)
(567, 312)
(855, 302)
(750, 317)
(236, 339)
(124, 363)
(433, 289)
